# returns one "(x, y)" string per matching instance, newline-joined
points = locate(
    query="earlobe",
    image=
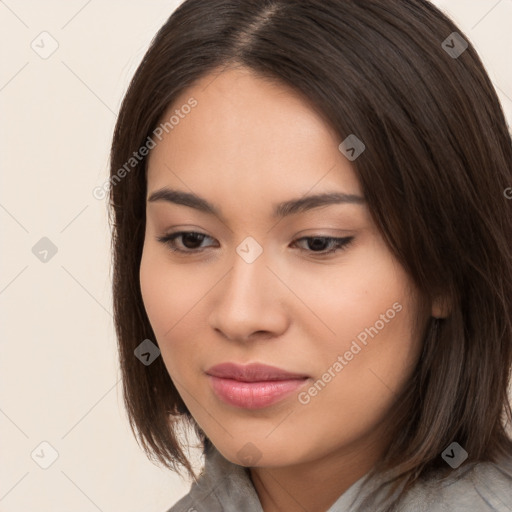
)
(441, 308)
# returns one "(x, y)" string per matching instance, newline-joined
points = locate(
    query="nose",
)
(249, 302)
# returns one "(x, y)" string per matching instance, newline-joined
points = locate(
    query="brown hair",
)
(438, 158)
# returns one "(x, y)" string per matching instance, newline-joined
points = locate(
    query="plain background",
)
(60, 381)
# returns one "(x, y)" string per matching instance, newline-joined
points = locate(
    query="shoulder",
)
(478, 487)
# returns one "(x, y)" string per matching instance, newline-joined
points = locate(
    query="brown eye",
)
(317, 244)
(190, 240)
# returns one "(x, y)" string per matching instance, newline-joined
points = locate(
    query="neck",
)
(315, 485)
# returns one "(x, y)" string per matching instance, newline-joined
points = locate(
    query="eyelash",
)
(339, 243)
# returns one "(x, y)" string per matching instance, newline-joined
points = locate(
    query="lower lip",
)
(253, 395)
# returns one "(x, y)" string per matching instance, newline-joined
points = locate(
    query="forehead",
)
(248, 136)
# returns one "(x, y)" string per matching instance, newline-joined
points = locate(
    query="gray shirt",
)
(482, 487)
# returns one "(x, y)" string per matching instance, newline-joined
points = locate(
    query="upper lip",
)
(254, 372)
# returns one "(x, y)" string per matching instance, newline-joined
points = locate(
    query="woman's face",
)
(252, 288)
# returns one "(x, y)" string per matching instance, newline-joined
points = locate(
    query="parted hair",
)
(436, 165)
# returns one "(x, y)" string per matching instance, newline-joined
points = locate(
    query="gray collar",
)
(227, 487)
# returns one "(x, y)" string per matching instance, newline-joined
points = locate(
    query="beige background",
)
(59, 369)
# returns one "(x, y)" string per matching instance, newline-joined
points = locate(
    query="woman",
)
(311, 258)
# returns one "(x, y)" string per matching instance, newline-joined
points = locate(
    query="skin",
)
(247, 145)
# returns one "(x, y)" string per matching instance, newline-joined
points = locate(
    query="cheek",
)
(349, 298)
(166, 291)
(163, 294)
(172, 300)
(354, 395)
(371, 310)
(156, 295)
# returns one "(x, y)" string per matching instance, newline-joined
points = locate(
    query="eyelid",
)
(340, 243)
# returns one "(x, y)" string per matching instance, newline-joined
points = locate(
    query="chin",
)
(260, 451)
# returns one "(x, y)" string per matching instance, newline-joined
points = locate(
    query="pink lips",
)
(253, 386)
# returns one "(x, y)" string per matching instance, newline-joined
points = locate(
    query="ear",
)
(441, 307)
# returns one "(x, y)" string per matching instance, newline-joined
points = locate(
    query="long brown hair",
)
(438, 158)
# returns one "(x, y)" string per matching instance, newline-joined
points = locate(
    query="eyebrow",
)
(280, 210)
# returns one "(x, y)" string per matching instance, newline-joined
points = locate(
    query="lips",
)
(253, 372)
(253, 386)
